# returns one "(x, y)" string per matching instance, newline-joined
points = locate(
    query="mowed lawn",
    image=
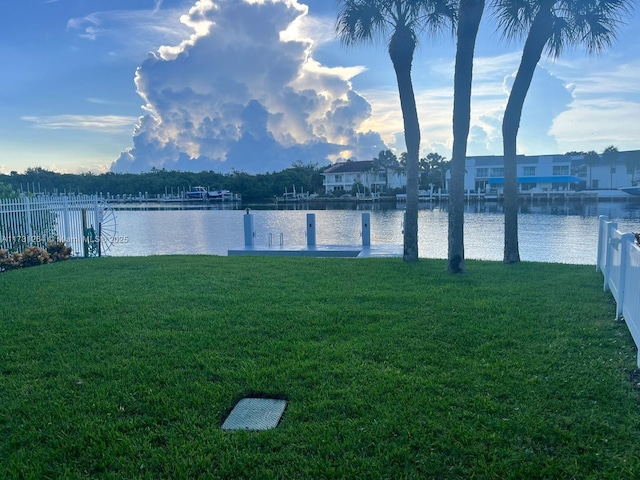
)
(127, 367)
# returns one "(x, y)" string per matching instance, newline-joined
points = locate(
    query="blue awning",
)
(550, 179)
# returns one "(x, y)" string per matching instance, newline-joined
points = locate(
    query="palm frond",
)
(592, 24)
(561, 38)
(361, 21)
(514, 17)
(365, 20)
(436, 16)
(596, 22)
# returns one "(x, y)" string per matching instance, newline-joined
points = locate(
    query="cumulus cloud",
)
(243, 91)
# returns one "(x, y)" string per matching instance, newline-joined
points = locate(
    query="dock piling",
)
(311, 229)
(248, 228)
(366, 229)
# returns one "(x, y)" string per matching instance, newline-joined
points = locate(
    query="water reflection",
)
(563, 233)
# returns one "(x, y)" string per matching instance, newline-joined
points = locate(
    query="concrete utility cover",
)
(255, 414)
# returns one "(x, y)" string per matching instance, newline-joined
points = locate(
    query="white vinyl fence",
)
(619, 262)
(81, 221)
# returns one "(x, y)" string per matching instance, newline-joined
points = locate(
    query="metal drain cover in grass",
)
(255, 414)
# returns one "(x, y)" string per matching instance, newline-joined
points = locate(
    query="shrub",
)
(9, 261)
(32, 256)
(58, 251)
(5, 263)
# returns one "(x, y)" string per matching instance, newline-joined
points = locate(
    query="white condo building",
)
(536, 173)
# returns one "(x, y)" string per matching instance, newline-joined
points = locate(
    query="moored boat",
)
(631, 190)
(203, 193)
(198, 192)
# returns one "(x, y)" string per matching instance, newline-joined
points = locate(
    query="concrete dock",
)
(353, 251)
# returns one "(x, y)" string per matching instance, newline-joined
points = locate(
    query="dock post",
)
(248, 229)
(311, 229)
(366, 229)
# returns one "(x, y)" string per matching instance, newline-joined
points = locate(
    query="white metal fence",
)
(619, 262)
(83, 222)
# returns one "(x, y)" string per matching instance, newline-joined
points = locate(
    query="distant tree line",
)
(305, 177)
(160, 181)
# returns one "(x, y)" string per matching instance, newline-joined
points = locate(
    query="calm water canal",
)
(566, 233)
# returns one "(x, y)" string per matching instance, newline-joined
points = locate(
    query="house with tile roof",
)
(342, 176)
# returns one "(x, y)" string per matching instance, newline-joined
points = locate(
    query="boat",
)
(198, 192)
(631, 190)
(224, 195)
(203, 193)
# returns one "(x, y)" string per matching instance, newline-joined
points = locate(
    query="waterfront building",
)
(555, 173)
(485, 174)
(343, 176)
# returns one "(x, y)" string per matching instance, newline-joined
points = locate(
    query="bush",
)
(32, 256)
(9, 261)
(58, 251)
(4, 260)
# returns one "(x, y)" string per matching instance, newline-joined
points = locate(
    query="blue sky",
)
(254, 85)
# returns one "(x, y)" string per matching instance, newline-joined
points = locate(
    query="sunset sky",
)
(255, 85)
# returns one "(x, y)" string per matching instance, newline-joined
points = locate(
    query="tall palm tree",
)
(437, 166)
(550, 25)
(610, 155)
(399, 21)
(385, 160)
(591, 159)
(469, 16)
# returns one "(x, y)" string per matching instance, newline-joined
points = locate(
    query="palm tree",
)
(591, 159)
(469, 16)
(423, 168)
(437, 167)
(550, 25)
(610, 155)
(385, 160)
(400, 21)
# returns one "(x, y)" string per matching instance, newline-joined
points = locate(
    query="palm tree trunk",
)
(401, 49)
(470, 14)
(539, 34)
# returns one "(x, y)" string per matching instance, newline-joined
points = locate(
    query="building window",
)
(338, 179)
(482, 172)
(561, 169)
(529, 171)
(497, 172)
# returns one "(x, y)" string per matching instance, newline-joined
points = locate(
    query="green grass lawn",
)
(127, 367)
